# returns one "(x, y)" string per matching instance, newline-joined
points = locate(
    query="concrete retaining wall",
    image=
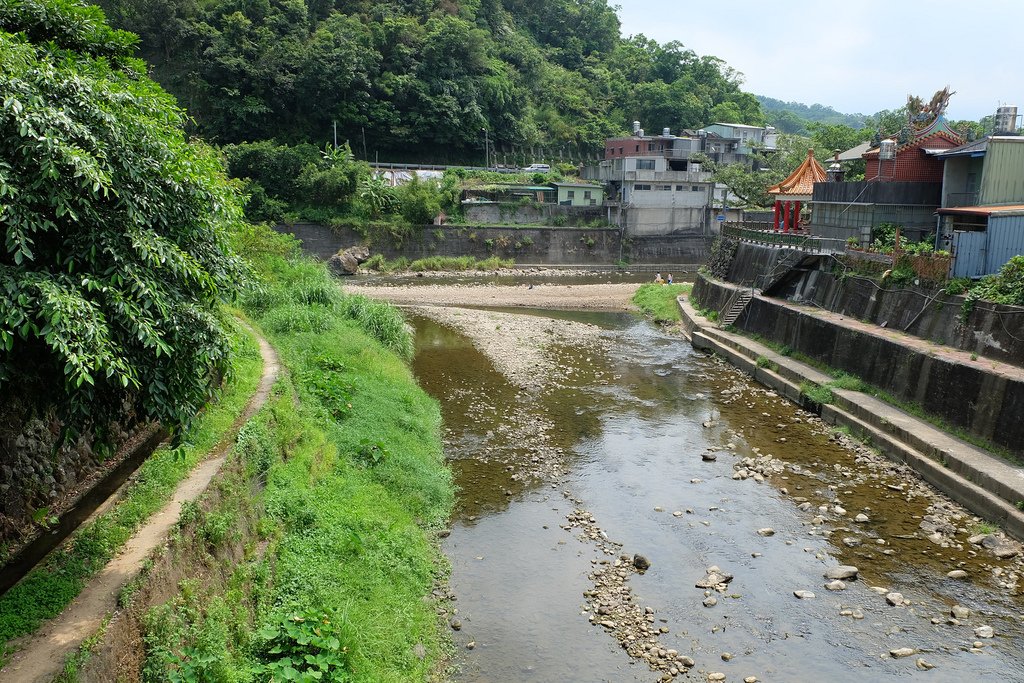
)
(554, 246)
(965, 395)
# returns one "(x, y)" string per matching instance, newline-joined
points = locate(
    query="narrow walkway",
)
(984, 483)
(45, 651)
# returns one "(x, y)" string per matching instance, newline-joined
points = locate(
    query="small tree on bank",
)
(115, 253)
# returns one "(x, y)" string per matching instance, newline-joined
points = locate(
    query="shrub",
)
(116, 252)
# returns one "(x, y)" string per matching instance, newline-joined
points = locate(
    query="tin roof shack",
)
(579, 194)
(982, 238)
(982, 214)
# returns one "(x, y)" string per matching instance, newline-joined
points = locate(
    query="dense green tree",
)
(115, 253)
(420, 79)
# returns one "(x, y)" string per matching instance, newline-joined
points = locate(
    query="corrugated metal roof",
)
(978, 146)
(982, 210)
(855, 153)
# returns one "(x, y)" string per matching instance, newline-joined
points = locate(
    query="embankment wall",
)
(965, 395)
(535, 245)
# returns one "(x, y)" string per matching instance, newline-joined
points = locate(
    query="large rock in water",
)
(346, 261)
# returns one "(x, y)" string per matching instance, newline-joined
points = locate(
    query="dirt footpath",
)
(590, 297)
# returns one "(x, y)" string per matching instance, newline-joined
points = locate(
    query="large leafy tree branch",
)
(115, 249)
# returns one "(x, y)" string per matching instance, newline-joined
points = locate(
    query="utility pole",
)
(487, 148)
(335, 134)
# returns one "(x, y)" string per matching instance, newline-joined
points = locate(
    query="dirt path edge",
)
(41, 656)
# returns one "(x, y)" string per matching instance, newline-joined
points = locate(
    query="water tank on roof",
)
(1006, 120)
(665, 133)
(887, 149)
(640, 132)
(636, 127)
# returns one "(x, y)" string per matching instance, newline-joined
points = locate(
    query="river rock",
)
(895, 599)
(836, 585)
(984, 632)
(1005, 552)
(709, 457)
(716, 676)
(456, 625)
(899, 652)
(803, 595)
(767, 531)
(851, 542)
(710, 601)
(957, 574)
(923, 665)
(346, 261)
(959, 612)
(714, 578)
(841, 572)
(750, 679)
(862, 518)
(641, 563)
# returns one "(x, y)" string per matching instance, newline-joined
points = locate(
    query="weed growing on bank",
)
(355, 484)
(53, 584)
(436, 264)
(659, 301)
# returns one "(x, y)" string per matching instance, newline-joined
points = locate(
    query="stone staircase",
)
(734, 309)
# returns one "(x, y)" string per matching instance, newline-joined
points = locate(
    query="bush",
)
(116, 253)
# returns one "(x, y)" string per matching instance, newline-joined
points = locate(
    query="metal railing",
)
(760, 233)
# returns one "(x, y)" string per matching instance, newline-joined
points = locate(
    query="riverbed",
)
(583, 440)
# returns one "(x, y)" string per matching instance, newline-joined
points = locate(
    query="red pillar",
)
(796, 218)
(778, 210)
(785, 217)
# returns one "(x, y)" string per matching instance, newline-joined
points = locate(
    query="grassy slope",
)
(659, 301)
(354, 487)
(55, 583)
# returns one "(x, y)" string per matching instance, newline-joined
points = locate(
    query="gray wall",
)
(552, 246)
(964, 395)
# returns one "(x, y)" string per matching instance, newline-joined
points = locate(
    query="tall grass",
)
(353, 490)
(437, 264)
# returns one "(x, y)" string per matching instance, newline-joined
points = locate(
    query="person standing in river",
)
(657, 279)
(669, 279)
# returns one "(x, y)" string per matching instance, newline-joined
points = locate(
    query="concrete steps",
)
(984, 483)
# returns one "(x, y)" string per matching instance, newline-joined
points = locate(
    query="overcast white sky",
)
(856, 56)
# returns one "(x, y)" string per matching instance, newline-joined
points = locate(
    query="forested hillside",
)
(420, 79)
(793, 117)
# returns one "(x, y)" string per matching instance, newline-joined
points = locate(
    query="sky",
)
(856, 56)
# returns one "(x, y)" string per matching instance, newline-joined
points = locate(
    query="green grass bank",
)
(317, 545)
(659, 301)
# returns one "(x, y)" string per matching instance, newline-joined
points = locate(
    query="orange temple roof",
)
(801, 181)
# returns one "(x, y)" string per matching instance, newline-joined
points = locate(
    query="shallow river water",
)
(628, 429)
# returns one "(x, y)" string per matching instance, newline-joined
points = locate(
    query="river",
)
(604, 457)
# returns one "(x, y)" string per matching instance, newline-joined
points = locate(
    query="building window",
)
(593, 202)
(572, 194)
(622, 151)
(641, 187)
(638, 148)
(679, 188)
(586, 194)
(695, 188)
(645, 164)
(665, 188)
(650, 146)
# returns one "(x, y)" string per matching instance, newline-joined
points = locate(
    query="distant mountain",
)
(792, 117)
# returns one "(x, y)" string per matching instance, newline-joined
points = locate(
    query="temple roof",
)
(801, 181)
(939, 128)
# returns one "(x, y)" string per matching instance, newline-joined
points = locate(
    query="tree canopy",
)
(115, 252)
(422, 79)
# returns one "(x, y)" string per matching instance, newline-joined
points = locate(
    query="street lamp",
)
(487, 148)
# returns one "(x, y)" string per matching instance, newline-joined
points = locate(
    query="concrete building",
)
(650, 198)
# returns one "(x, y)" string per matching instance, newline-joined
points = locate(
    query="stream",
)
(644, 439)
